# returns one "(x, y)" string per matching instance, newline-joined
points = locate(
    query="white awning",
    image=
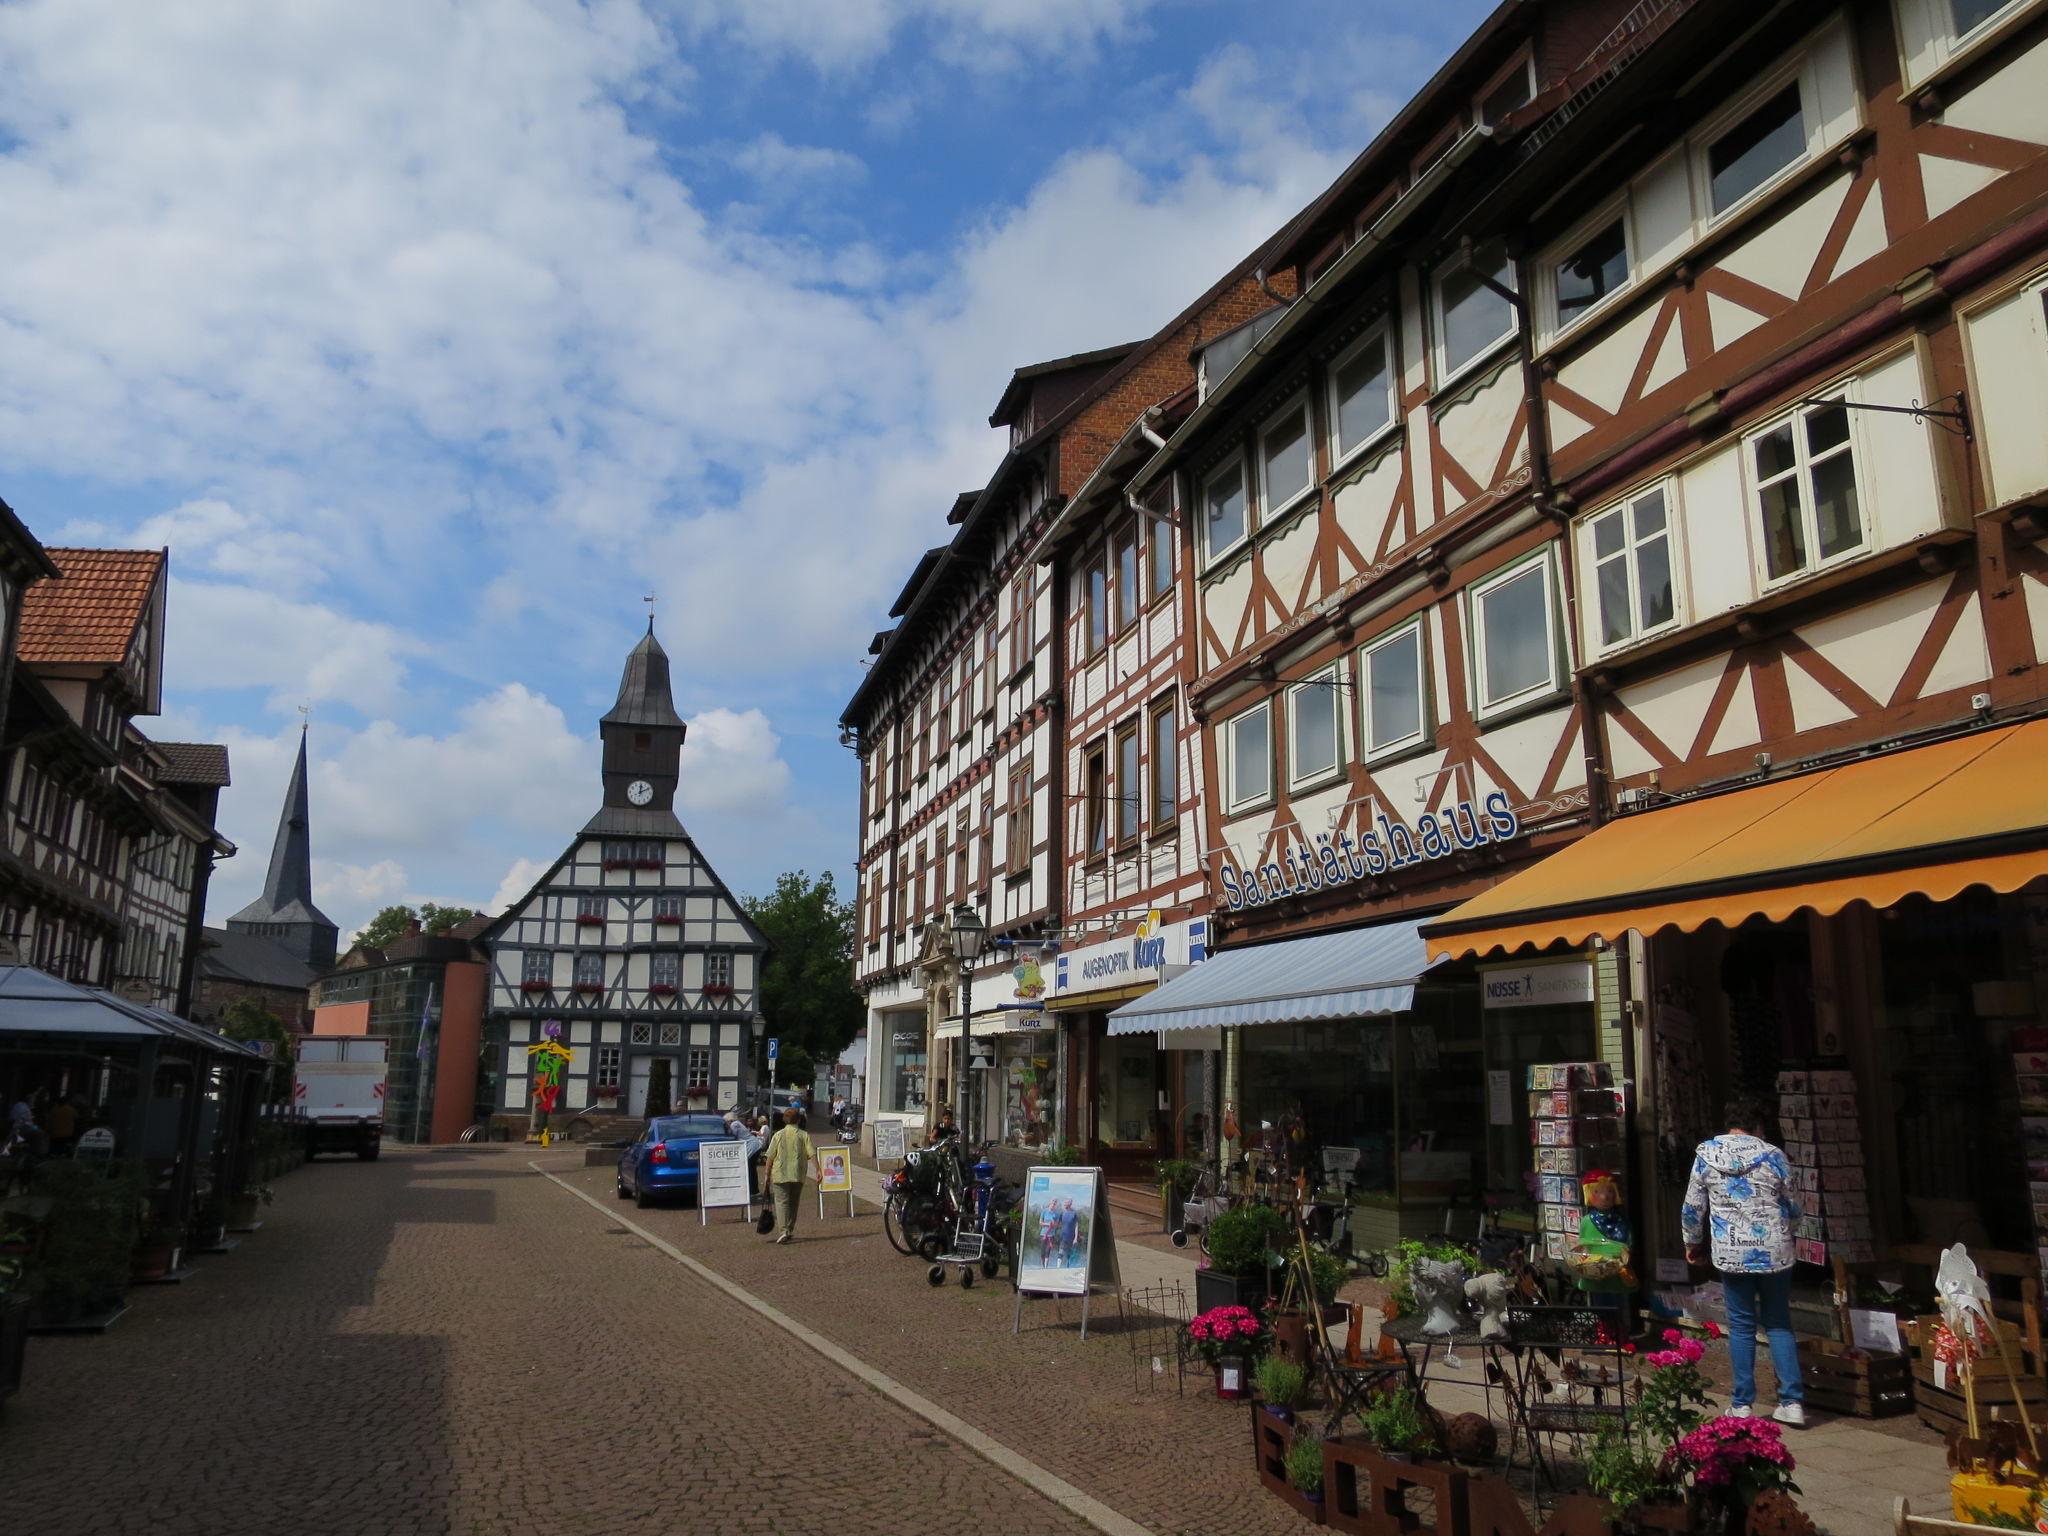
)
(1358, 973)
(997, 1021)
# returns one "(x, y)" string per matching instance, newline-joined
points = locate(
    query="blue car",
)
(664, 1160)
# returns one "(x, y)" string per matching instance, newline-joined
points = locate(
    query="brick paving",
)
(445, 1343)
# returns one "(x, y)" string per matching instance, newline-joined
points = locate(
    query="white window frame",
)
(1425, 717)
(1809, 525)
(1702, 140)
(1554, 324)
(1342, 453)
(589, 960)
(1211, 554)
(1933, 23)
(537, 965)
(1589, 568)
(1525, 66)
(1235, 803)
(718, 968)
(1328, 681)
(1475, 618)
(609, 1058)
(1446, 376)
(665, 968)
(697, 1069)
(1274, 511)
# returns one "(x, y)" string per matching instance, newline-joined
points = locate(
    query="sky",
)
(433, 336)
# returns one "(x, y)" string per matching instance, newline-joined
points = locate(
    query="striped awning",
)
(1358, 973)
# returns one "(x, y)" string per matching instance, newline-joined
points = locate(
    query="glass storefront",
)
(1029, 1067)
(901, 1082)
(1126, 1091)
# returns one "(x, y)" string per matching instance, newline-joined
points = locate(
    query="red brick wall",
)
(211, 995)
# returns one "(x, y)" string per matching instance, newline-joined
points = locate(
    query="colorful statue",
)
(548, 1056)
(1606, 1236)
(1030, 980)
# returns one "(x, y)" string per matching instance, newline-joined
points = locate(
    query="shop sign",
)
(1134, 958)
(1391, 846)
(1537, 986)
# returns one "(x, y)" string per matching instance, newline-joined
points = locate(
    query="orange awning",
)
(1929, 821)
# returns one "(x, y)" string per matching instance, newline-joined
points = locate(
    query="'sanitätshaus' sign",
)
(1391, 846)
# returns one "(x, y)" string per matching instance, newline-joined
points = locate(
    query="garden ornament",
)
(1439, 1292)
(1490, 1291)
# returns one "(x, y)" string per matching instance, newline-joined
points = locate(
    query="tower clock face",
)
(639, 791)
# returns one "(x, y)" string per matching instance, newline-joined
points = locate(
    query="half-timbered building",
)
(629, 942)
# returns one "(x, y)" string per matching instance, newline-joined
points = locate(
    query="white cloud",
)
(982, 35)
(732, 766)
(211, 535)
(356, 886)
(518, 881)
(221, 636)
(773, 160)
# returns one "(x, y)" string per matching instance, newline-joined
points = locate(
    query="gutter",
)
(1375, 239)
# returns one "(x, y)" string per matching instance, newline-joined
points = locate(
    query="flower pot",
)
(1291, 1337)
(1679, 1516)
(1233, 1378)
(1307, 1505)
(153, 1261)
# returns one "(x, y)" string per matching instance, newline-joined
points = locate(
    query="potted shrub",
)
(1176, 1177)
(1241, 1256)
(245, 1208)
(1230, 1339)
(1280, 1383)
(1732, 1462)
(1399, 1425)
(1305, 1474)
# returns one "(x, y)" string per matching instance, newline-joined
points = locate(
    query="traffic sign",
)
(774, 1047)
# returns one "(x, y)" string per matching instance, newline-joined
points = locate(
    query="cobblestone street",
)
(449, 1343)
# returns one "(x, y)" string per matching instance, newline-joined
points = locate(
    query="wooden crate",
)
(1998, 1397)
(1870, 1386)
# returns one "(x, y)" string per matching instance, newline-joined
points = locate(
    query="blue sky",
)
(431, 336)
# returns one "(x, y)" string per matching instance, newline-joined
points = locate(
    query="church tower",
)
(643, 735)
(285, 913)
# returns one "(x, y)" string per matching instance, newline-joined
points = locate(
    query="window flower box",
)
(718, 989)
(647, 864)
(617, 864)
(592, 988)
(668, 920)
(662, 989)
(528, 988)
(605, 1092)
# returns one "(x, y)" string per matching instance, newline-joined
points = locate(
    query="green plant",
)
(88, 1234)
(1396, 1423)
(1305, 1464)
(1327, 1273)
(1400, 1282)
(1174, 1174)
(1623, 1468)
(1280, 1382)
(1065, 1155)
(1242, 1241)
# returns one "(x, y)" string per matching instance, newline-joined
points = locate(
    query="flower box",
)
(591, 988)
(528, 988)
(662, 989)
(1272, 1439)
(589, 920)
(1366, 1491)
(647, 864)
(609, 1094)
(718, 989)
(667, 920)
(615, 864)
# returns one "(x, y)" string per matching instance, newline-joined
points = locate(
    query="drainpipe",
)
(1056, 828)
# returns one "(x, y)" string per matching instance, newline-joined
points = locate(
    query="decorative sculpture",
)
(548, 1057)
(1490, 1291)
(1439, 1293)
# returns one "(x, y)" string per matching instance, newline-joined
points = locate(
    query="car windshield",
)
(689, 1127)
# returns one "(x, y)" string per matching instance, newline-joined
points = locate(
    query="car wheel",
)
(623, 1192)
(642, 1198)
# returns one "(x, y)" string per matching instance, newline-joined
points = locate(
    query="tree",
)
(807, 993)
(389, 925)
(248, 1020)
(794, 1067)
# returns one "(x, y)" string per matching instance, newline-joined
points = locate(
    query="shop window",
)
(1314, 751)
(1361, 395)
(1514, 636)
(697, 1068)
(1029, 1064)
(1766, 141)
(1165, 769)
(1804, 473)
(1126, 1096)
(1249, 761)
(1393, 694)
(1095, 798)
(1287, 468)
(1472, 319)
(1629, 547)
(608, 1066)
(1224, 523)
(903, 1085)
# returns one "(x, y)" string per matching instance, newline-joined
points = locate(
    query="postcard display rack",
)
(1824, 1144)
(1574, 1125)
(2030, 1062)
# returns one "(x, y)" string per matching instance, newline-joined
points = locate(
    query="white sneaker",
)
(782, 1237)
(1743, 1412)
(1791, 1413)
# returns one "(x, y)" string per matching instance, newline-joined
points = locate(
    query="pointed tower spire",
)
(644, 698)
(285, 911)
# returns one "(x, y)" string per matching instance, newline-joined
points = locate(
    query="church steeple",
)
(285, 913)
(643, 734)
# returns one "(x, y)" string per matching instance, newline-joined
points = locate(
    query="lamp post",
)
(970, 934)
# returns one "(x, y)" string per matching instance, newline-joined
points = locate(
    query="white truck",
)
(341, 1092)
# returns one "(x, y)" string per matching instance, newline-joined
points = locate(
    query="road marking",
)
(1082, 1506)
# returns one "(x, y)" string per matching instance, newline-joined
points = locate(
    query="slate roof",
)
(288, 887)
(643, 688)
(89, 614)
(253, 959)
(193, 762)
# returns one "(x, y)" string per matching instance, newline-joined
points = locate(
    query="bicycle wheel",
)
(892, 1225)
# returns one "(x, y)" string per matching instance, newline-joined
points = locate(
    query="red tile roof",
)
(194, 762)
(89, 613)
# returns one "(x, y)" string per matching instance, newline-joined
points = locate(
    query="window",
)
(1361, 396)
(1968, 15)
(1130, 597)
(640, 1034)
(1130, 797)
(1512, 636)
(1631, 553)
(668, 906)
(1471, 318)
(1312, 728)
(718, 968)
(643, 741)
(1391, 670)
(671, 1034)
(960, 851)
(664, 969)
(1287, 465)
(537, 965)
(697, 1069)
(1250, 769)
(1596, 267)
(940, 844)
(1018, 857)
(1165, 770)
(1767, 140)
(1098, 604)
(1805, 470)
(608, 1066)
(1512, 93)
(1095, 791)
(590, 969)
(1223, 510)
(589, 907)
(1159, 560)
(1023, 623)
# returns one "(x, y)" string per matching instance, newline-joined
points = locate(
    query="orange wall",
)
(462, 1027)
(342, 1018)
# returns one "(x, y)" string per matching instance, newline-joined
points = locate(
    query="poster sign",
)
(1875, 1330)
(1066, 1241)
(1500, 1098)
(722, 1177)
(835, 1176)
(888, 1141)
(97, 1142)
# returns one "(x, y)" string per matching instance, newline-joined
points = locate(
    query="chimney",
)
(412, 928)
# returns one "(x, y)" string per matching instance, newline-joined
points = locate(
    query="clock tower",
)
(643, 735)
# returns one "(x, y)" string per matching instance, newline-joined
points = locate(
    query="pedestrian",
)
(737, 1128)
(1740, 1197)
(788, 1150)
(944, 1132)
(60, 1120)
(838, 1111)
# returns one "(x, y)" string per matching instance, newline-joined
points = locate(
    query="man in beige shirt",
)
(789, 1149)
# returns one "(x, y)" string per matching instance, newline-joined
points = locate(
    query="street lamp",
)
(970, 936)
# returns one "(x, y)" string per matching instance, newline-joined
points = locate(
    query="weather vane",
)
(649, 601)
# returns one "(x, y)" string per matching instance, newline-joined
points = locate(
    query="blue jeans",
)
(1766, 1301)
